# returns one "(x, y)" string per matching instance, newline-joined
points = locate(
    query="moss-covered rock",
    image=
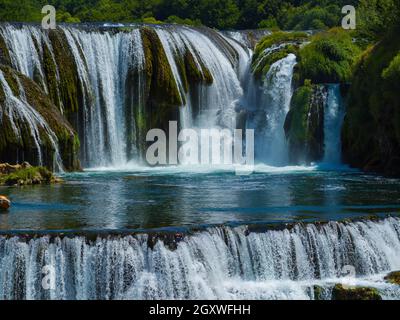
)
(341, 292)
(28, 175)
(64, 89)
(4, 54)
(19, 145)
(318, 292)
(275, 47)
(328, 58)
(393, 277)
(162, 88)
(153, 97)
(371, 131)
(304, 125)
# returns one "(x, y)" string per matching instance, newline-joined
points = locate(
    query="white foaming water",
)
(17, 111)
(219, 263)
(333, 121)
(278, 92)
(103, 69)
(104, 59)
(216, 103)
(25, 47)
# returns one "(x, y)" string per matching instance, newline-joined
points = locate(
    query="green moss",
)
(318, 292)
(371, 131)
(68, 85)
(28, 176)
(161, 85)
(4, 54)
(329, 58)
(354, 294)
(11, 80)
(14, 148)
(195, 73)
(262, 61)
(392, 72)
(50, 70)
(304, 124)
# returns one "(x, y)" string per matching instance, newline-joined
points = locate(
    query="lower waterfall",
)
(220, 262)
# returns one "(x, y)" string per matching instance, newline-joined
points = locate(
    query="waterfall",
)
(25, 49)
(103, 67)
(218, 263)
(215, 103)
(113, 91)
(17, 110)
(333, 121)
(275, 104)
(105, 60)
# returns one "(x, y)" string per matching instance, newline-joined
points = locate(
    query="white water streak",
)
(220, 263)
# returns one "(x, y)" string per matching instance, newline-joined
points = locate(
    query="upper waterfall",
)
(113, 85)
(126, 82)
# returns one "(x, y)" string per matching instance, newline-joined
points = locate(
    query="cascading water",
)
(272, 110)
(223, 263)
(103, 68)
(215, 102)
(333, 121)
(25, 50)
(17, 110)
(104, 60)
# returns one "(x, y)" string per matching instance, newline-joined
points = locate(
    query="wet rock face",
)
(32, 128)
(393, 277)
(341, 292)
(304, 125)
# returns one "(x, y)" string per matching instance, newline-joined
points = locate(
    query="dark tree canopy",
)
(221, 14)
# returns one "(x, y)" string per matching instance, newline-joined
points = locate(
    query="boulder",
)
(393, 277)
(341, 292)
(5, 203)
(6, 168)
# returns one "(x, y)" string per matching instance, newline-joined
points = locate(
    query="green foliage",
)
(392, 73)
(270, 23)
(221, 14)
(311, 17)
(151, 20)
(66, 17)
(177, 20)
(376, 17)
(329, 58)
(371, 132)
